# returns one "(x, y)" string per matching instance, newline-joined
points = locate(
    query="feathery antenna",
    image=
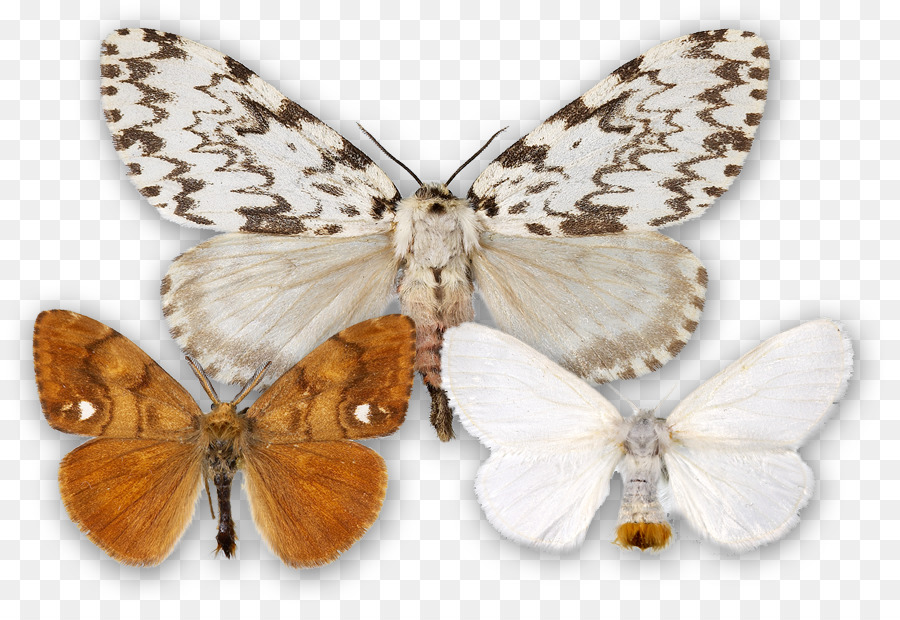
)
(256, 378)
(204, 380)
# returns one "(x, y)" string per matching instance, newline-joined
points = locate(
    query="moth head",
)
(435, 198)
(433, 190)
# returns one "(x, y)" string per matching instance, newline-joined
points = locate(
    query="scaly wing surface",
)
(312, 500)
(211, 145)
(355, 385)
(653, 144)
(94, 381)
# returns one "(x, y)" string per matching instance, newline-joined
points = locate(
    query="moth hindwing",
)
(557, 232)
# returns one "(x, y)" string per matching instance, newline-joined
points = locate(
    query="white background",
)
(809, 229)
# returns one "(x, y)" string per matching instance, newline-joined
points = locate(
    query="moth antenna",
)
(256, 378)
(634, 407)
(208, 496)
(477, 153)
(204, 380)
(395, 160)
(659, 404)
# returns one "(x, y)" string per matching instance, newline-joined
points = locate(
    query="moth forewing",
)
(212, 145)
(93, 381)
(654, 143)
(355, 385)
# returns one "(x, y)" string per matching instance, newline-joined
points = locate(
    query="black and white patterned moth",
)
(557, 233)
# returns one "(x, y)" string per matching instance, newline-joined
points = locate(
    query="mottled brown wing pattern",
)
(93, 381)
(211, 145)
(653, 144)
(133, 498)
(354, 385)
(311, 501)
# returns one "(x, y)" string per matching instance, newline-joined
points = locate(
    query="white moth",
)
(726, 457)
(558, 232)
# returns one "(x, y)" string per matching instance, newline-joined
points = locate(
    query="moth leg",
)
(208, 496)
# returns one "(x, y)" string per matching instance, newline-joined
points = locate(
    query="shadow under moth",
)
(313, 492)
(558, 232)
(725, 459)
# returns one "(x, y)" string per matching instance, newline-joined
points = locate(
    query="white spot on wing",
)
(86, 410)
(362, 413)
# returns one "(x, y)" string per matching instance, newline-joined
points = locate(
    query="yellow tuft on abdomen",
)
(644, 536)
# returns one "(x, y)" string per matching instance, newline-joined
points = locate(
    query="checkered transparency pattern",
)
(809, 229)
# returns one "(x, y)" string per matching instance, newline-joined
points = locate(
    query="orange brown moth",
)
(132, 489)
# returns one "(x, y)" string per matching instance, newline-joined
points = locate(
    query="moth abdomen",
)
(222, 464)
(642, 519)
(225, 537)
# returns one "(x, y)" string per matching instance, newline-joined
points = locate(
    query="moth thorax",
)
(223, 424)
(434, 227)
(642, 520)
